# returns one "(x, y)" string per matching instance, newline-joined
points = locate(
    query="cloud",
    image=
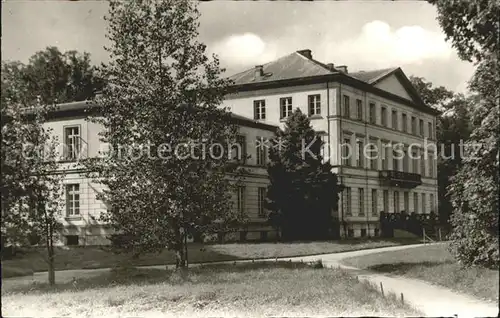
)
(244, 49)
(380, 46)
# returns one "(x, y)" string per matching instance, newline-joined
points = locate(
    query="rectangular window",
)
(259, 109)
(386, 201)
(72, 144)
(405, 122)
(347, 201)
(394, 119)
(430, 161)
(414, 161)
(431, 202)
(286, 107)
(361, 193)
(72, 240)
(385, 156)
(413, 125)
(72, 199)
(314, 104)
(360, 162)
(346, 153)
(359, 109)
(240, 199)
(347, 107)
(383, 116)
(374, 202)
(415, 203)
(239, 149)
(373, 153)
(261, 202)
(396, 202)
(406, 161)
(395, 161)
(406, 198)
(350, 233)
(373, 116)
(421, 126)
(261, 151)
(423, 203)
(363, 232)
(429, 130)
(422, 163)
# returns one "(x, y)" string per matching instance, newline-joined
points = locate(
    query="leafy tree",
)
(30, 188)
(473, 29)
(54, 77)
(436, 97)
(472, 26)
(303, 191)
(162, 92)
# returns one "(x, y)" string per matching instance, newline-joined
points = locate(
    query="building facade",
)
(79, 139)
(379, 135)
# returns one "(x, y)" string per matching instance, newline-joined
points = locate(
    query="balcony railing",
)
(400, 179)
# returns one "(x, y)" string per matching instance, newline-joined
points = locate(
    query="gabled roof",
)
(299, 68)
(295, 65)
(371, 77)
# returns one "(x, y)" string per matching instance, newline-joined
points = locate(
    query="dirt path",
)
(430, 299)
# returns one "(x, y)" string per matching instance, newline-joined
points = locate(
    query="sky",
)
(364, 35)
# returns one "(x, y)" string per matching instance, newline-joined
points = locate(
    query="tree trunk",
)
(180, 255)
(50, 254)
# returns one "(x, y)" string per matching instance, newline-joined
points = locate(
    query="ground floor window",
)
(363, 232)
(350, 233)
(71, 239)
(376, 232)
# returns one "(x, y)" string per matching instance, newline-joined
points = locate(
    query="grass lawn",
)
(251, 289)
(97, 257)
(434, 264)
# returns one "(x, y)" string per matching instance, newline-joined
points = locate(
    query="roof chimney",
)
(330, 66)
(307, 53)
(342, 68)
(259, 71)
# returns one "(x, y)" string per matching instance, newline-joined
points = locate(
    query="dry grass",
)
(97, 257)
(436, 265)
(252, 289)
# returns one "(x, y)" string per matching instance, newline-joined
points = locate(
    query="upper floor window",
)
(259, 109)
(286, 107)
(239, 149)
(346, 151)
(395, 160)
(314, 104)
(373, 119)
(394, 119)
(429, 125)
(405, 122)
(413, 125)
(72, 144)
(72, 199)
(385, 156)
(347, 107)
(421, 128)
(383, 116)
(359, 109)
(359, 153)
(260, 151)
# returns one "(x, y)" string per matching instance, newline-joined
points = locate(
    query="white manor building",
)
(379, 107)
